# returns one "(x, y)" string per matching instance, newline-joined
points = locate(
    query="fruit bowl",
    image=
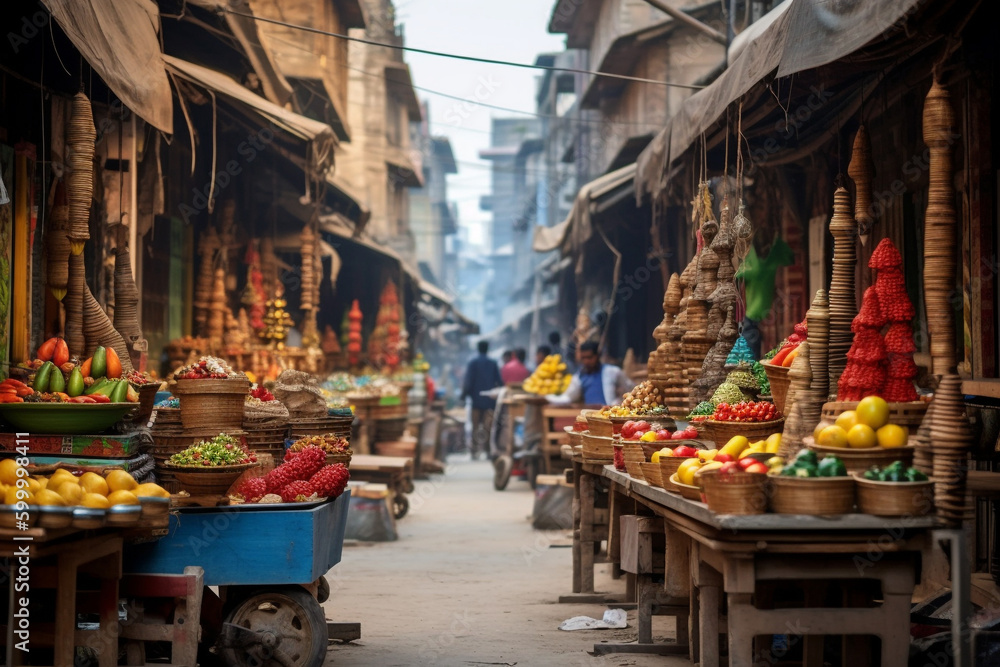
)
(685, 490)
(207, 480)
(63, 418)
(861, 459)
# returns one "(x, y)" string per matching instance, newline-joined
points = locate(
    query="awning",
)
(318, 135)
(593, 198)
(806, 35)
(119, 39)
(400, 83)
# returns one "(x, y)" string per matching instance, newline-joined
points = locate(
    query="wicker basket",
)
(167, 419)
(895, 498)
(817, 496)
(909, 415)
(596, 447)
(859, 460)
(634, 469)
(147, 398)
(723, 432)
(600, 426)
(685, 490)
(575, 437)
(390, 429)
(338, 426)
(212, 403)
(633, 452)
(652, 472)
(339, 457)
(735, 493)
(209, 480)
(777, 377)
(267, 439)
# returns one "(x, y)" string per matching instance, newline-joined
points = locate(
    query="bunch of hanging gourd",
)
(87, 325)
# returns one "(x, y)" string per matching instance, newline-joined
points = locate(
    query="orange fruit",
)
(95, 500)
(91, 482)
(892, 435)
(832, 436)
(119, 480)
(122, 497)
(861, 436)
(847, 419)
(873, 411)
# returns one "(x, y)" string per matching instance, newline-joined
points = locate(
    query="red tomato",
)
(757, 467)
(663, 434)
(746, 462)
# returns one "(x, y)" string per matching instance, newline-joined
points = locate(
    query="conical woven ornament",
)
(98, 329)
(126, 294)
(75, 339)
(940, 245)
(80, 138)
(843, 306)
(861, 170)
(57, 250)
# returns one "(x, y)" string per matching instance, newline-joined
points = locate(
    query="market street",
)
(469, 582)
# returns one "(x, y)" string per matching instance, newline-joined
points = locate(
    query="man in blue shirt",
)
(595, 383)
(482, 374)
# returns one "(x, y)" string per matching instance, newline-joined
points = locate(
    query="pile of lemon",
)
(549, 378)
(864, 427)
(64, 489)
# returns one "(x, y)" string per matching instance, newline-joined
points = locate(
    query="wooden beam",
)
(689, 21)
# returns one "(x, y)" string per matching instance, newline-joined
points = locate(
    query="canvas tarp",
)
(809, 34)
(319, 135)
(119, 39)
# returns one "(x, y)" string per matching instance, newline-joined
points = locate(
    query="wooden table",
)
(396, 472)
(741, 557)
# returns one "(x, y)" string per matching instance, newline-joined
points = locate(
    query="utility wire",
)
(457, 56)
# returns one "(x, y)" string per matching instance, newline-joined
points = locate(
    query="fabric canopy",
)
(318, 135)
(594, 197)
(805, 35)
(119, 39)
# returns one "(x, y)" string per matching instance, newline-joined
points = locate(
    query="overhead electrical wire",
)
(456, 56)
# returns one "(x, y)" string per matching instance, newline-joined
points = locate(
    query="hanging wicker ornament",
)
(126, 294)
(861, 169)
(98, 330)
(80, 138)
(940, 243)
(58, 249)
(208, 247)
(308, 239)
(217, 313)
(75, 339)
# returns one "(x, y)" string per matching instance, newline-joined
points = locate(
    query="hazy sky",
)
(513, 30)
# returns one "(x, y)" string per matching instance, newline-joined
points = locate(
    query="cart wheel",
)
(408, 486)
(282, 627)
(400, 506)
(502, 468)
(531, 466)
(322, 590)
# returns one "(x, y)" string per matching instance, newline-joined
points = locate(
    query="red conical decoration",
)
(885, 256)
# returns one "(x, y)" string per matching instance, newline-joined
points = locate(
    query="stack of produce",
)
(302, 477)
(98, 380)
(62, 488)
(644, 397)
(222, 450)
(807, 464)
(868, 425)
(743, 377)
(940, 223)
(842, 300)
(549, 378)
(890, 285)
(354, 317)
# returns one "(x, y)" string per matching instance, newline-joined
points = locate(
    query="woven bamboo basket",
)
(777, 376)
(909, 415)
(633, 452)
(388, 430)
(600, 426)
(895, 498)
(816, 496)
(685, 490)
(212, 403)
(723, 432)
(268, 439)
(735, 493)
(653, 474)
(597, 447)
(167, 419)
(147, 397)
(338, 426)
(339, 457)
(575, 437)
(859, 460)
(669, 465)
(208, 480)
(634, 469)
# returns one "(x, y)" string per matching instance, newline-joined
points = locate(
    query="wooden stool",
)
(643, 556)
(184, 633)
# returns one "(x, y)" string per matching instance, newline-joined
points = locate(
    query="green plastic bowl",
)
(63, 418)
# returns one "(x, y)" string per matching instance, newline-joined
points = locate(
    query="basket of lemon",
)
(549, 378)
(863, 437)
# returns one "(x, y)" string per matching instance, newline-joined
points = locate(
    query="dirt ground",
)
(470, 582)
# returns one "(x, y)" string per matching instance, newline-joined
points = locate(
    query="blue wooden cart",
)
(269, 564)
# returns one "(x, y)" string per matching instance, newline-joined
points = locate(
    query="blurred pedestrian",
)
(482, 374)
(541, 353)
(514, 371)
(595, 384)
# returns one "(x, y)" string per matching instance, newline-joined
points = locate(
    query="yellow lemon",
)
(94, 483)
(819, 429)
(150, 490)
(832, 436)
(861, 436)
(47, 497)
(122, 497)
(119, 480)
(56, 485)
(11, 496)
(874, 411)
(34, 486)
(711, 465)
(686, 470)
(60, 473)
(655, 458)
(94, 500)
(892, 435)
(71, 493)
(846, 420)
(8, 471)
(43, 482)
(773, 443)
